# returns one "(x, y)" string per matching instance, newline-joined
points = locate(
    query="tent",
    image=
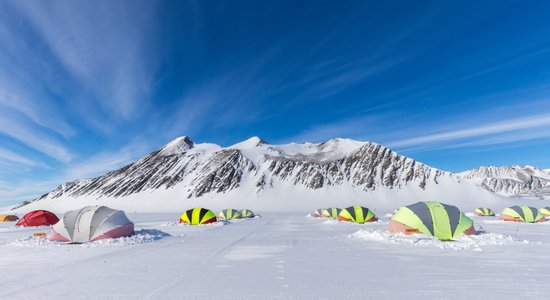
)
(246, 213)
(317, 213)
(522, 213)
(484, 212)
(197, 216)
(545, 211)
(38, 218)
(229, 214)
(357, 214)
(92, 223)
(442, 221)
(8, 218)
(332, 212)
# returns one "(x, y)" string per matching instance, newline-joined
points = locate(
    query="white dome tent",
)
(92, 223)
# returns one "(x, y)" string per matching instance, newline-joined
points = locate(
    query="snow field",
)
(278, 256)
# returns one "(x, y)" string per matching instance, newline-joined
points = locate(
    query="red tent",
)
(38, 218)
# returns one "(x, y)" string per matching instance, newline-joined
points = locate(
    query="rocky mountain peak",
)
(250, 143)
(177, 146)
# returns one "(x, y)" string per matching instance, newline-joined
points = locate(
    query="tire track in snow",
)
(38, 282)
(165, 287)
(231, 245)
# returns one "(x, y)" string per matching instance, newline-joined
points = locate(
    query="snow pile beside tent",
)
(463, 242)
(143, 236)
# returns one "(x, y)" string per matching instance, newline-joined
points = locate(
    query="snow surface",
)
(278, 256)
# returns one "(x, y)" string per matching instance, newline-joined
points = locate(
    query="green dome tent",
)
(357, 214)
(246, 213)
(545, 211)
(332, 212)
(442, 221)
(229, 214)
(522, 213)
(198, 216)
(484, 212)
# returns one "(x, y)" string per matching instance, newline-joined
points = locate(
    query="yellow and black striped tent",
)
(246, 213)
(229, 214)
(484, 212)
(357, 214)
(332, 212)
(198, 216)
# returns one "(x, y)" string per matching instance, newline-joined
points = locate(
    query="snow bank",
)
(463, 242)
(143, 236)
(178, 224)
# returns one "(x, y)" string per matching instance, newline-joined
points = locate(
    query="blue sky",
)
(87, 86)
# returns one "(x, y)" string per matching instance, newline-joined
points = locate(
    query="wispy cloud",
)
(105, 161)
(9, 156)
(33, 136)
(98, 164)
(40, 113)
(344, 76)
(105, 48)
(359, 128)
(480, 130)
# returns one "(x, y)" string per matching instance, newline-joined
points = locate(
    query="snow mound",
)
(178, 224)
(498, 221)
(143, 236)
(463, 242)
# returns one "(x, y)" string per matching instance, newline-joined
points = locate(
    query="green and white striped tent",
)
(522, 213)
(229, 214)
(545, 211)
(432, 218)
(246, 213)
(484, 212)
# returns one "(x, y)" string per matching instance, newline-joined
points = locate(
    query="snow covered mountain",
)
(256, 174)
(527, 181)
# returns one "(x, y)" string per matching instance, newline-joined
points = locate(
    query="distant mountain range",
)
(512, 181)
(255, 174)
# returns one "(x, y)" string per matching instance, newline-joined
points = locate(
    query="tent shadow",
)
(157, 234)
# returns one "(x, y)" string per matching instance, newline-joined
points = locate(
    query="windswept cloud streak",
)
(525, 123)
(33, 137)
(9, 156)
(98, 164)
(105, 48)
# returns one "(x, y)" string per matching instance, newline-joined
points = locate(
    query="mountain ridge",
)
(192, 172)
(512, 181)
